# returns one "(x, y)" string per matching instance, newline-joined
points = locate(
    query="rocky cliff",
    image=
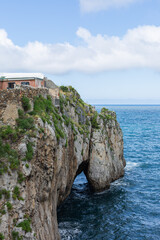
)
(42, 150)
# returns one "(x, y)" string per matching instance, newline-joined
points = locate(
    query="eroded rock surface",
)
(60, 145)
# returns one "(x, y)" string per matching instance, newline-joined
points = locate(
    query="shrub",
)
(80, 130)
(43, 107)
(82, 152)
(57, 136)
(59, 131)
(9, 206)
(2, 210)
(56, 110)
(14, 163)
(66, 120)
(48, 104)
(25, 103)
(16, 193)
(64, 88)
(58, 116)
(41, 130)
(4, 192)
(66, 144)
(4, 149)
(61, 104)
(25, 225)
(73, 129)
(94, 122)
(87, 122)
(11, 155)
(27, 165)
(109, 117)
(3, 168)
(21, 177)
(15, 236)
(1, 236)
(25, 123)
(20, 113)
(29, 153)
(8, 133)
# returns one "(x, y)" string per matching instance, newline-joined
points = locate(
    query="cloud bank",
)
(138, 48)
(98, 5)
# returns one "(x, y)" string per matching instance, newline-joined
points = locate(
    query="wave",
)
(68, 231)
(131, 165)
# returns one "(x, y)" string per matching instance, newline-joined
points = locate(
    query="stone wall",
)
(10, 102)
(15, 95)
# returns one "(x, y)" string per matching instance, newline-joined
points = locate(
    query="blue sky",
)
(108, 50)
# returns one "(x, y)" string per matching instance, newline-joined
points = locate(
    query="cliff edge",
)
(42, 150)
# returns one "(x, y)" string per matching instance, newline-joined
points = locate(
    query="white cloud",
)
(139, 48)
(98, 5)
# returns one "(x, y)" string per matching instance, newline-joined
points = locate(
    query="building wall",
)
(4, 84)
(42, 83)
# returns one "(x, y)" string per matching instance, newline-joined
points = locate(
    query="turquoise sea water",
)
(130, 209)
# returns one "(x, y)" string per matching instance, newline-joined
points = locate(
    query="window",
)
(11, 85)
(25, 83)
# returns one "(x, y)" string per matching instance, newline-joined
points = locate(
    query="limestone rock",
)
(89, 142)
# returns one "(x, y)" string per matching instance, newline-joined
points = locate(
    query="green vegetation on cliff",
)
(70, 98)
(25, 103)
(25, 225)
(15, 236)
(1, 236)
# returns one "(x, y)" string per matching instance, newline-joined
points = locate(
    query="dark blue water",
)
(130, 209)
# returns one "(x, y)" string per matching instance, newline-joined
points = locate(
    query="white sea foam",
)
(131, 165)
(67, 231)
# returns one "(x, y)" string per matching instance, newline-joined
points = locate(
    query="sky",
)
(108, 50)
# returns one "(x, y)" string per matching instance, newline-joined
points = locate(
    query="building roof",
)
(21, 75)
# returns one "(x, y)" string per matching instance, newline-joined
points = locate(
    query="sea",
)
(130, 209)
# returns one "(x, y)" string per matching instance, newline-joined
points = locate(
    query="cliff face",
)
(43, 149)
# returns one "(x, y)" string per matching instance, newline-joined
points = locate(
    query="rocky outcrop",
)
(44, 151)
